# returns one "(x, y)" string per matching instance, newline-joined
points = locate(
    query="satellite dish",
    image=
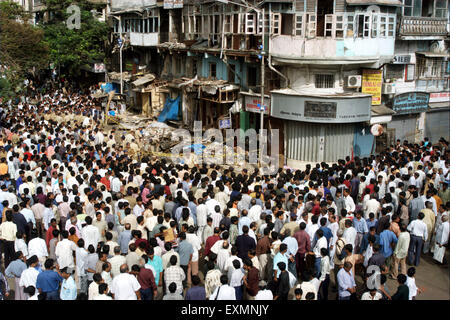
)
(377, 130)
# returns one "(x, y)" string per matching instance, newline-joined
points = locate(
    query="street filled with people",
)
(86, 216)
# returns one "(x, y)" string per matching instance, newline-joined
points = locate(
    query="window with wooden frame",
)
(349, 25)
(329, 26)
(383, 26)
(300, 24)
(408, 8)
(266, 21)
(311, 25)
(440, 9)
(391, 27)
(276, 24)
(367, 24)
(250, 23)
(410, 72)
(228, 23)
(339, 26)
(375, 19)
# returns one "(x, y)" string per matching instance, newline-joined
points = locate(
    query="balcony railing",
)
(423, 26)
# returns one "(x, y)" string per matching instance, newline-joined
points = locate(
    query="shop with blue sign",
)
(411, 102)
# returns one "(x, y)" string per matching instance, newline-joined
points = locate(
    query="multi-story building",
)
(418, 78)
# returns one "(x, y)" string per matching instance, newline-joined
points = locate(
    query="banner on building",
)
(440, 96)
(411, 102)
(253, 104)
(372, 81)
(173, 4)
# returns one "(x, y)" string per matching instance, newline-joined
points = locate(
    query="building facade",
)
(328, 69)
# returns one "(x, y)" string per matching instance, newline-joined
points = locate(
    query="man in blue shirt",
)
(361, 229)
(281, 256)
(365, 240)
(49, 280)
(326, 231)
(196, 292)
(185, 250)
(14, 270)
(387, 240)
(372, 221)
(68, 286)
(243, 221)
(154, 263)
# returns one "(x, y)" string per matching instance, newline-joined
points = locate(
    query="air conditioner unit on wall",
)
(388, 88)
(353, 81)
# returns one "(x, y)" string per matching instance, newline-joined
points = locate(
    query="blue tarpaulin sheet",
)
(170, 111)
(198, 148)
(107, 87)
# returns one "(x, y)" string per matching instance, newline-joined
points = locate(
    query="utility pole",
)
(121, 71)
(262, 109)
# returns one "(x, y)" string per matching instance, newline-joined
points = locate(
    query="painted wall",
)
(303, 79)
(296, 47)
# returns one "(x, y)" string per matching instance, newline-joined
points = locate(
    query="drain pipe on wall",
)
(286, 79)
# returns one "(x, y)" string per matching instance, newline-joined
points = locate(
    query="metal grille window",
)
(430, 67)
(324, 80)
(395, 71)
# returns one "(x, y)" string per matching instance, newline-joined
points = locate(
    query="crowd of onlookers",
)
(83, 216)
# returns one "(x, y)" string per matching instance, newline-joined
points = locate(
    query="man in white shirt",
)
(125, 286)
(350, 233)
(37, 247)
(29, 276)
(311, 284)
(224, 291)
(263, 293)
(346, 282)
(102, 292)
(419, 234)
(372, 295)
(372, 205)
(349, 202)
(320, 243)
(90, 234)
(64, 250)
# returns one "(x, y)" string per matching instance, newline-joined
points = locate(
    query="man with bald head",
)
(125, 286)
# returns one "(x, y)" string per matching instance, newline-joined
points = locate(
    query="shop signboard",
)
(411, 102)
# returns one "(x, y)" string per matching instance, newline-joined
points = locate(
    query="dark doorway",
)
(323, 7)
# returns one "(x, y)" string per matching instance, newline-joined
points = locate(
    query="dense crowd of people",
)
(84, 216)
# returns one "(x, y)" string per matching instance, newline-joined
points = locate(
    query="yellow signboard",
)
(372, 81)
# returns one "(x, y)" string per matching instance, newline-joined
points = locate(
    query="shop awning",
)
(143, 80)
(381, 110)
(396, 3)
(434, 54)
(439, 105)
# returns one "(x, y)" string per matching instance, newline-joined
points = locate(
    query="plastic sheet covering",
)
(170, 111)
